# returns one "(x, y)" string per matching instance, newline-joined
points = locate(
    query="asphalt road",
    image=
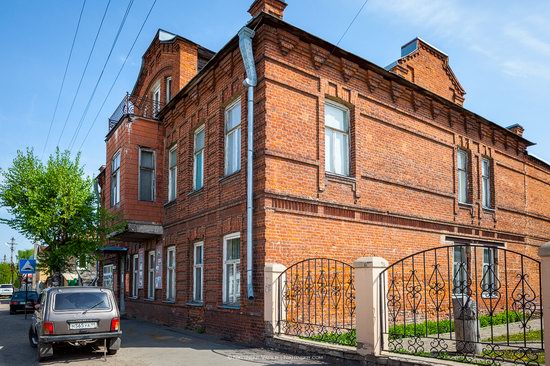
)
(143, 344)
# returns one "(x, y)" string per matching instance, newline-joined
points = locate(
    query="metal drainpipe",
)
(245, 45)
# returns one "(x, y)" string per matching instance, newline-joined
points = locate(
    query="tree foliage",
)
(53, 203)
(24, 254)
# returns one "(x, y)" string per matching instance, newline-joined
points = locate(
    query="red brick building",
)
(350, 159)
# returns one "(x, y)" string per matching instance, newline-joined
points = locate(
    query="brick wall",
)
(400, 197)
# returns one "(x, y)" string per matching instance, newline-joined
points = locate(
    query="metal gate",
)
(316, 301)
(470, 303)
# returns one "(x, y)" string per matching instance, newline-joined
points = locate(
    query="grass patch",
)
(530, 336)
(447, 326)
(344, 339)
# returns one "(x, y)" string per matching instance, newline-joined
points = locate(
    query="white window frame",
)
(115, 174)
(168, 89)
(486, 177)
(154, 169)
(151, 274)
(198, 267)
(227, 133)
(135, 275)
(490, 290)
(235, 263)
(463, 191)
(330, 158)
(108, 281)
(196, 153)
(156, 100)
(172, 174)
(171, 267)
(460, 272)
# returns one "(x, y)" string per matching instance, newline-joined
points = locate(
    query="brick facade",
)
(400, 196)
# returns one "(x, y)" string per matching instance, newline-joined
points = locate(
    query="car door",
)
(39, 314)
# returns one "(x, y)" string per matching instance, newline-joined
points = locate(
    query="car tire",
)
(112, 352)
(44, 350)
(33, 338)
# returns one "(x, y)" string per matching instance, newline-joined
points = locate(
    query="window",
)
(198, 160)
(115, 179)
(151, 275)
(108, 276)
(81, 301)
(135, 275)
(486, 182)
(156, 101)
(460, 267)
(198, 271)
(172, 173)
(232, 269)
(168, 88)
(463, 196)
(233, 138)
(146, 175)
(489, 284)
(171, 274)
(336, 139)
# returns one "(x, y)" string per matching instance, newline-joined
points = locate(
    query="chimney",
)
(517, 129)
(271, 7)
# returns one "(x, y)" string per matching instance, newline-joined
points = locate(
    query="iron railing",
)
(316, 300)
(132, 105)
(469, 303)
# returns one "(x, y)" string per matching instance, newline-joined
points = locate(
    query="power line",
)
(83, 72)
(118, 74)
(64, 76)
(349, 26)
(100, 75)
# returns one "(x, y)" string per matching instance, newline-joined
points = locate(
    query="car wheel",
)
(33, 338)
(111, 351)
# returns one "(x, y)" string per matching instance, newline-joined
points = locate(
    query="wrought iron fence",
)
(469, 303)
(132, 105)
(316, 300)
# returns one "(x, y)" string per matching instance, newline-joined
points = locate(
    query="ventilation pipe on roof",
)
(245, 45)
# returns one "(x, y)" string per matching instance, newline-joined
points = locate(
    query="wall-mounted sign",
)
(141, 260)
(158, 267)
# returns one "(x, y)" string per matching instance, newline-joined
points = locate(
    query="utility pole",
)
(12, 245)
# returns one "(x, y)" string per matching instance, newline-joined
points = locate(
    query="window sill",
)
(170, 203)
(169, 301)
(339, 177)
(488, 209)
(229, 177)
(195, 303)
(229, 307)
(196, 192)
(465, 205)
(133, 298)
(149, 299)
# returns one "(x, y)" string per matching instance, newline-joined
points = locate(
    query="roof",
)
(262, 18)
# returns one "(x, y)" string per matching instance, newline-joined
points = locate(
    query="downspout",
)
(245, 45)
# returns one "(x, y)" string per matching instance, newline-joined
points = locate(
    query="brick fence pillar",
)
(272, 271)
(367, 304)
(544, 253)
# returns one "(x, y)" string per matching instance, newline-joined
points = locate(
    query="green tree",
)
(24, 254)
(54, 203)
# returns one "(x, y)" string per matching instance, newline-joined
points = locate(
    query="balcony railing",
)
(133, 105)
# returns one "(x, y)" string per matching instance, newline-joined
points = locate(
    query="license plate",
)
(86, 325)
(21, 302)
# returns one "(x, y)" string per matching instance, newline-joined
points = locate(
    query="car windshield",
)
(6, 286)
(81, 301)
(20, 295)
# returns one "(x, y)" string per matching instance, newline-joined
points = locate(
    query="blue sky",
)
(499, 50)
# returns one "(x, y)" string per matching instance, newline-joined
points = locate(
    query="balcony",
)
(135, 106)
